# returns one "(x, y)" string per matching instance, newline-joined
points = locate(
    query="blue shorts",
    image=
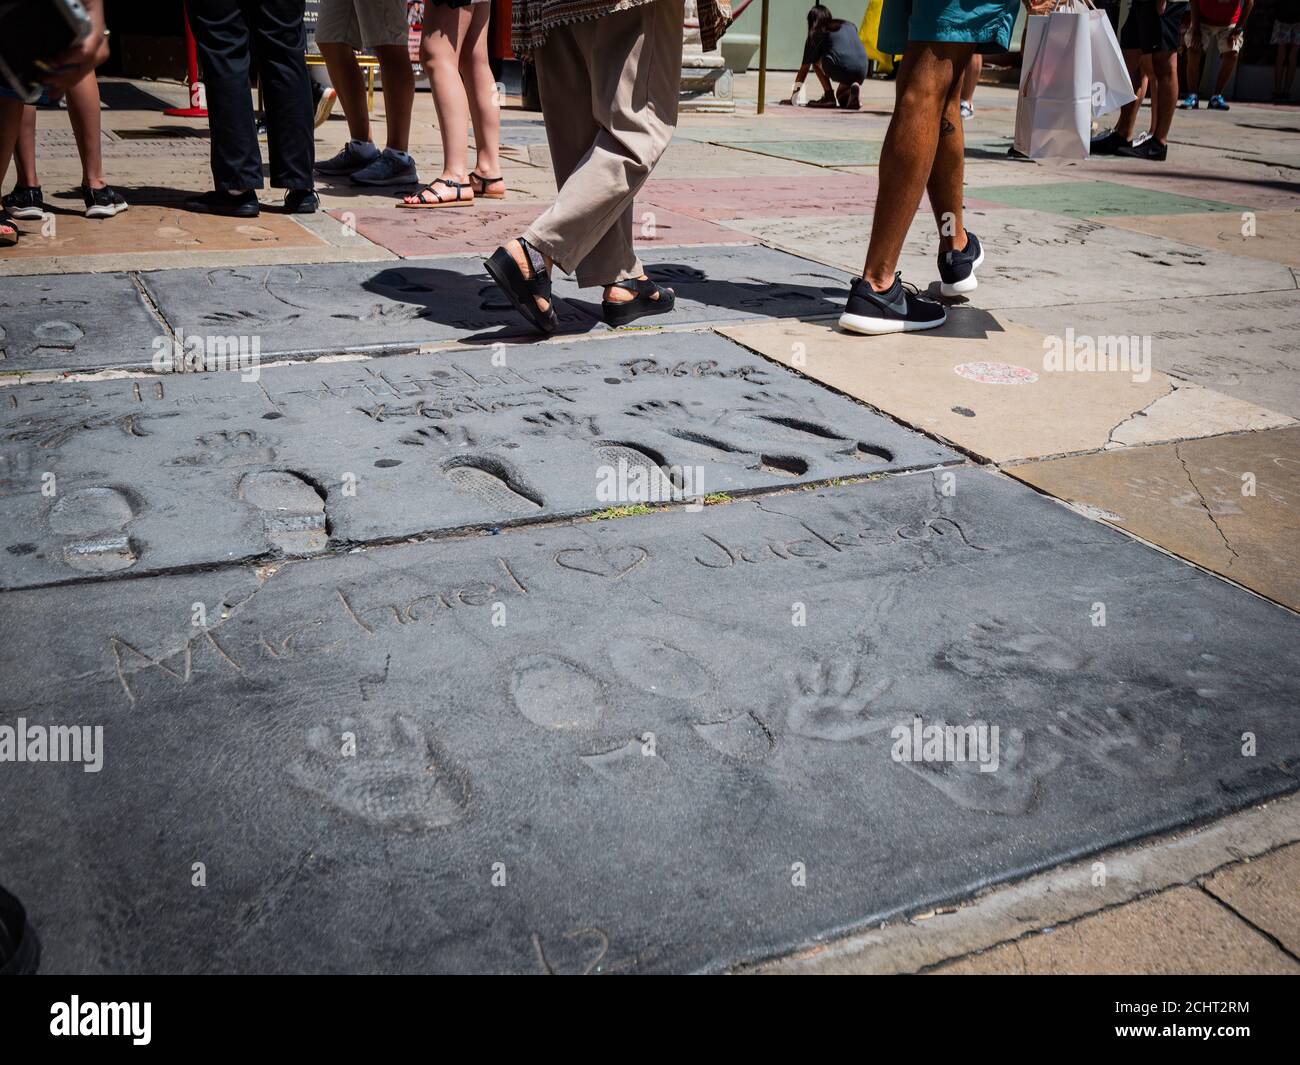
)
(987, 24)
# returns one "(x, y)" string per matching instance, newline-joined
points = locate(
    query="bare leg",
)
(444, 37)
(1165, 66)
(1195, 66)
(481, 91)
(926, 79)
(1128, 114)
(948, 174)
(345, 76)
(399, 93)
(972, 77)
(25, 149)
(1227, 64)
(11, 120)
(83, 110)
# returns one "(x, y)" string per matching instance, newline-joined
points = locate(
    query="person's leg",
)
(947, 175)
(444, 36)
(348, 81)
(1195, 65)
(279, 43)
(24, 150)
(399, 94)
(222, 36)
(11, 121)
(484, 101)
(1128, 114)
(971, 78)
(1227, 64)
(926, 79)
(83, 111)
(1165, 98)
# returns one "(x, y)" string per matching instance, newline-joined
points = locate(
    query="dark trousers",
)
(234, 37)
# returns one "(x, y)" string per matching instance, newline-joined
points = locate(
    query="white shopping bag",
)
(1111, 85)
(1054, 111)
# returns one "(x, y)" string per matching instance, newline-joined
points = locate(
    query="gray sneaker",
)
(348, 160)
(389, 169)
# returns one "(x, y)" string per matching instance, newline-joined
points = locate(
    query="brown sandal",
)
(460, 201)
(484, 183)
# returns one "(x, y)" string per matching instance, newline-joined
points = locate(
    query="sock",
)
(400, 155)
(366, 148)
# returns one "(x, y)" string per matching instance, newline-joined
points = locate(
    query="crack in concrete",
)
(1110, 437)
(1205, 504)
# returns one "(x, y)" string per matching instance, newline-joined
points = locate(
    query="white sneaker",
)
(967, 110)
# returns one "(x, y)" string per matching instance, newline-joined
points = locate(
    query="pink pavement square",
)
(763, 197)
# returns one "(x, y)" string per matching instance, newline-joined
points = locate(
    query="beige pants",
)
(609, 96)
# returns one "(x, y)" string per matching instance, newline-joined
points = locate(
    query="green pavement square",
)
(1096, 199)
(819, 152)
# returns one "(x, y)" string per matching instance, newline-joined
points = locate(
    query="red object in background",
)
(196, 108)
(499, 43)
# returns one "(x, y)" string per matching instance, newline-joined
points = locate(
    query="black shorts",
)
(1148, 32)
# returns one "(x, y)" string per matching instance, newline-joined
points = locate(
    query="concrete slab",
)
(986, 386)
(718, 198)
(483, 228)
(682, 782)
(1264, 893)
(1096, 199)
(817, 152)
(1179, 932)
(1270, 235)
(1194, 499)
(79, 323)
(308, 459)
(732, 284)
(1033, 258)
(339, 307)
(1243, 345)
(154, 229)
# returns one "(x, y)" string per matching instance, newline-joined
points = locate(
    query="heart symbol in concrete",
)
(612, 563)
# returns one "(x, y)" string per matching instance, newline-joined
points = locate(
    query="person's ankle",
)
(956, 242)
(879, 282)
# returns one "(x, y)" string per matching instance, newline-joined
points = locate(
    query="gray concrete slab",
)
(641, 764)
(87, 322)
(199, 469)
(732, 284)
(340, 307)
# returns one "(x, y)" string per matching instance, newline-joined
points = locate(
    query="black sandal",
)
(485, 183)
(649, 298)
(416, 201)
(522, 291)
(9, 231)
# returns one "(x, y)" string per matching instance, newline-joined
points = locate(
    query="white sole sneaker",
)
(105, 210)
(967, 284)
(27, 214)
(869, 326)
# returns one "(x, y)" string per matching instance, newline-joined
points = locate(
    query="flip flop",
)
(485, 183)
(438, 201)
(645, 302)
(9, 231)
(521, 291)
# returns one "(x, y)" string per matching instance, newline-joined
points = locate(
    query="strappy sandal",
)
(485, 183)
(523, 291)
(648, 298)
(9, 231)
(438, 201)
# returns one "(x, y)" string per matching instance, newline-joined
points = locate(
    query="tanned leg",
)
(399, 93)
(345, 76)
(947, 176)
(1165, 97)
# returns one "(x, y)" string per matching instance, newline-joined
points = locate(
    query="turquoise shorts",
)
(987, 24)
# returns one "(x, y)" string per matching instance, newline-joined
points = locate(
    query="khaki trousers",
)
(609, 98)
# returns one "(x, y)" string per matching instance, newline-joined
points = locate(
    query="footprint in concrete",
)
(493, 484)
(555, 693)
(95, 518)
(995, 648)
(627, 762)
(230, 447)
(742, 737)
(659, 668)
(652, 472)
(293, 510)
(1127, 742)
(1010, 789)
(830, 701)
(397, 777)
(55, 338)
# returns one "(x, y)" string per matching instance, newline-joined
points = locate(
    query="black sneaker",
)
(1110, 144)
(957, 268)
(899, 309)
(1150, 149)
(26, 202)
(301, 201)
(102, 203)
(236, 205)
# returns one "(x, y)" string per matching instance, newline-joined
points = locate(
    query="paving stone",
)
(1243, 345)
(731, 284)
(1095, 199)
(303, 458)
(83, 322)
(986, 385)
(718, 198)
(339, 307)
(769, 810)
(1033, 258)
(483, 228)
(147, 228)
(1193, 499)
(1270, 235)
(1264, 892)
(818, 152)
(1176, 933)
(1254, 190)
